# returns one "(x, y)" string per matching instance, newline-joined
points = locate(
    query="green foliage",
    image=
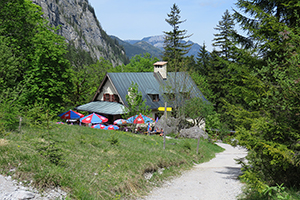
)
(142, 63)
(38, 51)
(174, 47)
(276, 192)
(50, 151)
(9, 71)
(39, 115)
(203, 61)
(86, 79)
(202, 83)
(187, 146)
(113, 140)
(78, 57)
(254, 79)
(10, 110)
(198, 110)
(263, 82)
(9, 117)
(136, 104)
(138, 63)
(224, 39)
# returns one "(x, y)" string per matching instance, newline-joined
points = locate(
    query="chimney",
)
(161, 67)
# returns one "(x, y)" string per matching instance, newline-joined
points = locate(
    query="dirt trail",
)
(213, 180)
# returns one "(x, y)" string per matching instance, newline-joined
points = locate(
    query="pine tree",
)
(217, 71)
(174, 45)
(203, 60)
(268, 122)
(223, 39)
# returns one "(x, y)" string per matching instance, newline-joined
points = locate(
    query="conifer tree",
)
(267, 121)
(174, 45)
(203, 60)
(224, 38)
(217, 71)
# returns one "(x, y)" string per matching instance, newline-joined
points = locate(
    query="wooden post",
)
(198, 144)
(20, 123)
(164, 130)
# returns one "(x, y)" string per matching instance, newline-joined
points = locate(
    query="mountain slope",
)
(138, 47)
(154, 51)
(158, 42)
(130, 49)
(77, 22)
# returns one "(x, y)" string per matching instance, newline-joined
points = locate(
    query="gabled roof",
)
(150, 83)
(146, 83)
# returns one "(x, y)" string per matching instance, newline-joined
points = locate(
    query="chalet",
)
(110, 98)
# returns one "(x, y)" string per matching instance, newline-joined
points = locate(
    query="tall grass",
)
(97, 164)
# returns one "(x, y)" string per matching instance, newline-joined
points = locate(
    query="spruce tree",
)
(217, 71)
(223, 39)
(174, 45)
(268, 122)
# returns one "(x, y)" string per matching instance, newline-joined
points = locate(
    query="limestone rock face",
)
(79, 25)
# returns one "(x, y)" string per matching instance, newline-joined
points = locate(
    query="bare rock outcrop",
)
(78, 24)
(193, 132)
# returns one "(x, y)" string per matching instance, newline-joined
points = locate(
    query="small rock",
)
(22, 195)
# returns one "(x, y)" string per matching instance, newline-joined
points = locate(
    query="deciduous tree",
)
(39, 50)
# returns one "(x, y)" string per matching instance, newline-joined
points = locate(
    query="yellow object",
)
(163, 108)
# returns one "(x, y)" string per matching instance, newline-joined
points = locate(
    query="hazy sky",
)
(136, 19)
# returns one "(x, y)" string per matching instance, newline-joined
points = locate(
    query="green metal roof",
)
(149, 84)
(153, 83)
(105, 107)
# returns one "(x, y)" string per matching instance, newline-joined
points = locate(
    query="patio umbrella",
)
(99, 126)
(112, 127)
(140, 119)
(93, 118)
(71, 114)
(120, 122)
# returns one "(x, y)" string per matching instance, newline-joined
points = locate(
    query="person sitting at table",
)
(161, 132)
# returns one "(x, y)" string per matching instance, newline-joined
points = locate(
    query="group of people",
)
(156, 130)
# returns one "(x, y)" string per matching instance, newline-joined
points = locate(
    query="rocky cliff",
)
(77, 22)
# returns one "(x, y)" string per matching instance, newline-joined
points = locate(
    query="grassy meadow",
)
(91, 163)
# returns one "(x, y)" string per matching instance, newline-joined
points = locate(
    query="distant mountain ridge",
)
(152, 44)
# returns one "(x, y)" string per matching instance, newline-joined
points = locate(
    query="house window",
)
(106, 97)
(155, 97)
(111, 97)
(115, 98)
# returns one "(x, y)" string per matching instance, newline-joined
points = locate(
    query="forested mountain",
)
(158, 42)
(78, 24)
(138, 47)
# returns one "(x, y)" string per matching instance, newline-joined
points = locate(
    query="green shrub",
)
(187, 146)
(113, 140)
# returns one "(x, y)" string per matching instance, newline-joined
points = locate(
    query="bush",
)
(113, 140)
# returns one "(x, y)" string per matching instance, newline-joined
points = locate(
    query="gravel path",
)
(213, 180)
